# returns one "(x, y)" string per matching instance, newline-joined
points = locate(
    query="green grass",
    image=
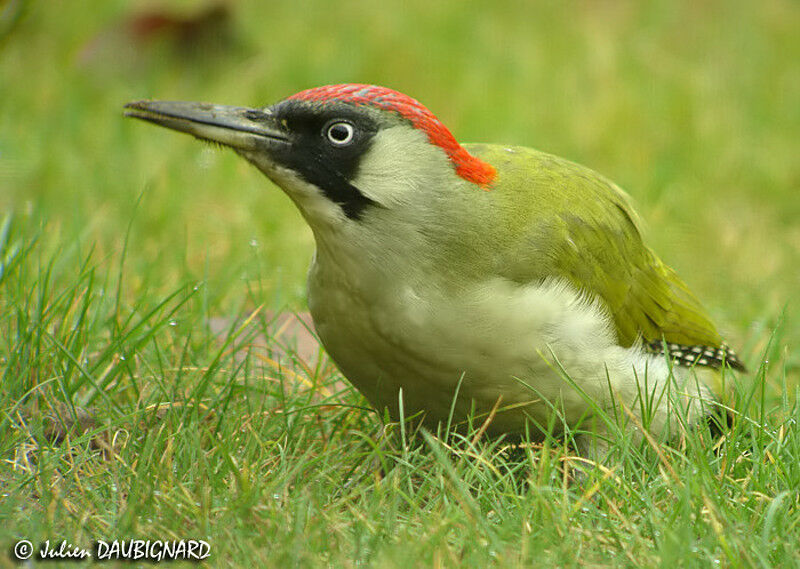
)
(120, 244)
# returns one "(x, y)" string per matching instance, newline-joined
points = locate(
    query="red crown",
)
(467, 166)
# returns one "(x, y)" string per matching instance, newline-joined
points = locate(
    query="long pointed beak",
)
(238, 127)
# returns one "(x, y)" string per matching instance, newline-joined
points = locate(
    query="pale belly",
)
(497, 344)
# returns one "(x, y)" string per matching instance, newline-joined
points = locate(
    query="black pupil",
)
(339, 132)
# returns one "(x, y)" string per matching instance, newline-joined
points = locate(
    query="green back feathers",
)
(569, 222)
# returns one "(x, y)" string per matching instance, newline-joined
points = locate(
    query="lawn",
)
(155, 385)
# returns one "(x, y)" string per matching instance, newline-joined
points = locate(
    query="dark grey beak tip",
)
(133, 105)
(136, 109)
(237, 127)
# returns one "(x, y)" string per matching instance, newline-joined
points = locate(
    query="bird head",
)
(343, 153)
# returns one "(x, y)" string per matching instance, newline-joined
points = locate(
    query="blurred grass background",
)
(693, 107)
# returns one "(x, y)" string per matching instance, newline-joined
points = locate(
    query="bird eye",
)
(340, 133)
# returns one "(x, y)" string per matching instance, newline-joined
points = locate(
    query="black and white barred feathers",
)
(699, 355)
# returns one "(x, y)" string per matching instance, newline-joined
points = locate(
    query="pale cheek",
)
(401, 165)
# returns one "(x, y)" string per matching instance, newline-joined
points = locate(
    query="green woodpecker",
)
(481, 280)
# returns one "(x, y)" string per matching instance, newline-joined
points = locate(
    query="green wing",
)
(644, 296)
(599, 249)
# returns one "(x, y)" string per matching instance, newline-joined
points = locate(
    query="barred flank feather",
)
(689, 356)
